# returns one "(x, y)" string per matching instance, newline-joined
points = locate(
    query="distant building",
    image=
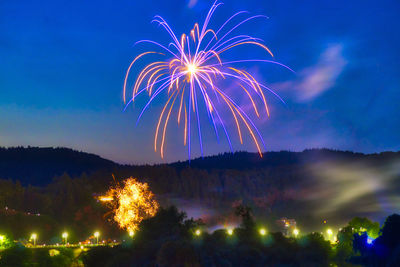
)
(286, 225)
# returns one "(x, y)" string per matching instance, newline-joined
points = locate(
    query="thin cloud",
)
(315, 80)
(192, 3)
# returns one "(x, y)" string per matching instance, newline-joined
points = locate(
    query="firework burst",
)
(189, 73)
(131, 203)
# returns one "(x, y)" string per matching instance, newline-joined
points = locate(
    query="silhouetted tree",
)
(247, 218)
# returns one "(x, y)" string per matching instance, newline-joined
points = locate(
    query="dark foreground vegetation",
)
(170, 239)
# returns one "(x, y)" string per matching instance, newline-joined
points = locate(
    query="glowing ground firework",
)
(189, 74)
(130, 203)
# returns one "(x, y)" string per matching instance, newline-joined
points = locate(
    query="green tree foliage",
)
(5, 241)
(361, 225)
(356, 227)
(384, 250)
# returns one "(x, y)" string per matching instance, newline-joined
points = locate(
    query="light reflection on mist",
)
(213, 217)
(359, 188)
(193, 209)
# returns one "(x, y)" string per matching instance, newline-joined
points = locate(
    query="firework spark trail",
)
(190, 74)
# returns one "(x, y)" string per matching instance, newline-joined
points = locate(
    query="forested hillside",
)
(61, 185)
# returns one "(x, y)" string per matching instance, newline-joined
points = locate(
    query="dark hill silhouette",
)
(38, 166)
(246, 160)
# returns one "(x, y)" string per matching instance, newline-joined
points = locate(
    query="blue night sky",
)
(62, 66)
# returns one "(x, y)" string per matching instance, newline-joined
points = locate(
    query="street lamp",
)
(34, 237)
(263, 231)
(230, 232)
(296, 232)
(97, 234)
(197, 232)
(131, 233)
(65, 237)
(329, 232)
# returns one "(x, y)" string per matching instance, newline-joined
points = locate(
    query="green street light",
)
(262, 232)
(329, 232)
(97, 234)
(296, 232)
(34, 237)
(65, 237)
(229, 231)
